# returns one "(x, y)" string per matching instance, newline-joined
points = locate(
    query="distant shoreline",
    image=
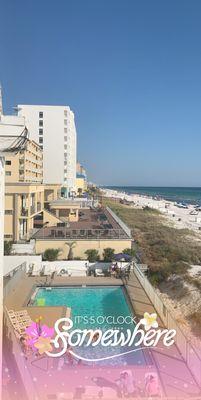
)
(183, 216)
(188, 195)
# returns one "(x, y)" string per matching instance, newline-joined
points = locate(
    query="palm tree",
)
(80, 191)
(71, 246)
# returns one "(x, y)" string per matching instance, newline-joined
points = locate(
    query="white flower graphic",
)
(149, 321)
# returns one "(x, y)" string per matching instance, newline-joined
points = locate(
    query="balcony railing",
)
(85, 234)
(32, 209)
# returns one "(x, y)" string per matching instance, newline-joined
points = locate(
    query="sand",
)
(179, 217)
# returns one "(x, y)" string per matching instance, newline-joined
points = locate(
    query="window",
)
(65, 113)
(40, 140)
(8, 162)
(65, 146)
(40, 131)
(40, 122)
(8, 212)
(8, 173)
(65, 122)
(40, 114)
(65, 162)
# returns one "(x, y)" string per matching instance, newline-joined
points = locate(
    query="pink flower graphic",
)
(35, 331)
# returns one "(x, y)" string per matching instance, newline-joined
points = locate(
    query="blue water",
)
(94, 302)
(190, 195)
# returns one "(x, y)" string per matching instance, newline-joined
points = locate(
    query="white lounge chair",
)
(20, 320)
(99, 272)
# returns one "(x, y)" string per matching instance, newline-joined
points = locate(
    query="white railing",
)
(119, 221)
(187, 349)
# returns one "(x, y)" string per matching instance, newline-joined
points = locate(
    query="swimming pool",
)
(95, 307)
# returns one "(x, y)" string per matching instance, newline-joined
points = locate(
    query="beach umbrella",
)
(122, 257)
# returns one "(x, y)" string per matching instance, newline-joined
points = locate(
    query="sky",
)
(131, 72)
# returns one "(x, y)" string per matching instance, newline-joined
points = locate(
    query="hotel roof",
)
(92, 224)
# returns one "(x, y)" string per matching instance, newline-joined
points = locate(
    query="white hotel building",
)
(53, 127)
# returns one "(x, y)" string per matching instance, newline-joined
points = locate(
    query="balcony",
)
(24, 211)
(33, 209)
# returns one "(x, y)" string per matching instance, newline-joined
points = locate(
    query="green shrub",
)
(51, 254)
(108, 254)
(129, 252)
(92, 255)
(7, 247)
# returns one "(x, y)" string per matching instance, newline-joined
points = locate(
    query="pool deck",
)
(175, 377)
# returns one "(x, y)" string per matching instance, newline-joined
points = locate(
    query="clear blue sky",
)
(130, 70)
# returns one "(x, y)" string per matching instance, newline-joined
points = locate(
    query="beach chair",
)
(20, 320)
(99, 272)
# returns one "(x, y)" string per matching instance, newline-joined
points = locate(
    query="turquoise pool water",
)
(95, 304)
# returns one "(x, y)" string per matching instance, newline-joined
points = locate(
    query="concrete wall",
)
(81, 246)
(50, 218)
(10, 263)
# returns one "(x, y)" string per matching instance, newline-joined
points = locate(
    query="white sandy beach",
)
(180, 217)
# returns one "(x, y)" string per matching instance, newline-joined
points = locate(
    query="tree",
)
(92, 255)
(129, 252)
(108, 254)
(71, 246)
(7, 248)
(51, 254)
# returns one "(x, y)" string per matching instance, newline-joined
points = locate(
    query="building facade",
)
(81, 179)
(53, 128)
(25, 166)
(23, 202)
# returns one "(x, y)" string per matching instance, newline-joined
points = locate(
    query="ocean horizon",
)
(189, 195)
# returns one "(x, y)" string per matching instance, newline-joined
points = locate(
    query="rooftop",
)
(92, 224)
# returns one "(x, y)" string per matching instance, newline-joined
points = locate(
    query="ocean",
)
(189, 195)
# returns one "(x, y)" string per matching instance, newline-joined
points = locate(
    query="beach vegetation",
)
(166, 250)
(195, 321)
